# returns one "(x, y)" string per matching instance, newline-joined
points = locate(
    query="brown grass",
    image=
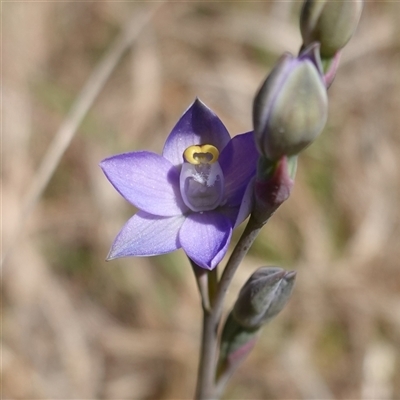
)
(75, 327)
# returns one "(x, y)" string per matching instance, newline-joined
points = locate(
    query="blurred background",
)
(76, 327)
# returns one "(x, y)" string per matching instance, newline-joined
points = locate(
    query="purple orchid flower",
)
(192, 196)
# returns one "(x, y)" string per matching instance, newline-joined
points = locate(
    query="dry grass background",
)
(75, 327)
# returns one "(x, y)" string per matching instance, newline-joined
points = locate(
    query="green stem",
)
(212, 284)
(202, 281)
(206, 374)
(206, 385)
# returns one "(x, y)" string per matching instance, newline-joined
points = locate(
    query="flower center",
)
(205, 154)
(201, 179)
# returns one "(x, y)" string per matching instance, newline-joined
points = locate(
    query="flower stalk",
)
(206, 380)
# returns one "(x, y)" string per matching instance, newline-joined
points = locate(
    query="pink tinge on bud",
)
(235, 358)
(272, 192)
(330, 74)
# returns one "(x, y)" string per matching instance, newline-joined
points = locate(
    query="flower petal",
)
(198, 125)
(205, 238)
(147, 180)
(246, 204)
(147, 235)
(238, 162)
(237, 214)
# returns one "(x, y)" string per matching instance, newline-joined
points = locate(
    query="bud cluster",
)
(290, 109)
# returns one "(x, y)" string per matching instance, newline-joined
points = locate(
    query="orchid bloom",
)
(191, 196)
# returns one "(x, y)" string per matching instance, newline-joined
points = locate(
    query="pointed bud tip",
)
(291, 275)
(263, 296)
(332, 23)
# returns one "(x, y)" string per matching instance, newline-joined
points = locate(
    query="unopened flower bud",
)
(291, 107)
(263, 296)
(331, 23)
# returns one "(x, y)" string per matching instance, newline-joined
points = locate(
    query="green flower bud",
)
(263, 296)
(331, 23)
(291, 107)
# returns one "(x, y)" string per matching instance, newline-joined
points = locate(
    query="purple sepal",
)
(247, 204)
(238, 162)
(147, 180)
(147, 235)
(205, 237)
(198, 125)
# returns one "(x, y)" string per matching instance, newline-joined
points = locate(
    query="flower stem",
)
(206, 385)
(212, 284)
(203, 285)
(250, 233)
(206, 374)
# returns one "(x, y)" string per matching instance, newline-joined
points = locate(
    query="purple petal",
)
(198, 125)
(238, 162)
(147, 180)
(147, 235)
(246, 205)
(205, 238)
(238, 214)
